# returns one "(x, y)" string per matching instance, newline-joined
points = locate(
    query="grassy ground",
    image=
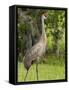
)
(53, 69)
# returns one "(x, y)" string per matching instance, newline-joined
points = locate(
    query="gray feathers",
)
(37, 50)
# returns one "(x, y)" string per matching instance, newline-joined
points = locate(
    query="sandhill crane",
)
(37, 50)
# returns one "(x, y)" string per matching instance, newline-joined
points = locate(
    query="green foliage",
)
(29, 29)
(55, 23)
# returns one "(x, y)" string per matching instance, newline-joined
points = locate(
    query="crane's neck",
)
(43, 28)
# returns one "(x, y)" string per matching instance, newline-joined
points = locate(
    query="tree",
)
(29, 28)
(56, 24)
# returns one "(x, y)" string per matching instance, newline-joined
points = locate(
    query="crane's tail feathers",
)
(26, 75)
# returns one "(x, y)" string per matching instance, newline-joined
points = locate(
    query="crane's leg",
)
(26, 75)
(37, 70)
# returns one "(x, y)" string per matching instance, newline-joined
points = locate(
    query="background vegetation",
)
(52, 65)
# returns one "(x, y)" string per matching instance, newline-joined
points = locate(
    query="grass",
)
(53, 69)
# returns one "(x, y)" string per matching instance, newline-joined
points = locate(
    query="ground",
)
(53, 69)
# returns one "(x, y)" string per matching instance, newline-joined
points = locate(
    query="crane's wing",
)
(35, 52)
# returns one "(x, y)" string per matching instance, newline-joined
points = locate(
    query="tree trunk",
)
(56, 47)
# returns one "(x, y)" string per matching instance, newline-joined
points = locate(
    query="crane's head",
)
(44, 15)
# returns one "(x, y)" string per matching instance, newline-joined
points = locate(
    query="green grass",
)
(53, 69)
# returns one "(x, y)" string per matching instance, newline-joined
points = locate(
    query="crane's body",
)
(37, 50)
